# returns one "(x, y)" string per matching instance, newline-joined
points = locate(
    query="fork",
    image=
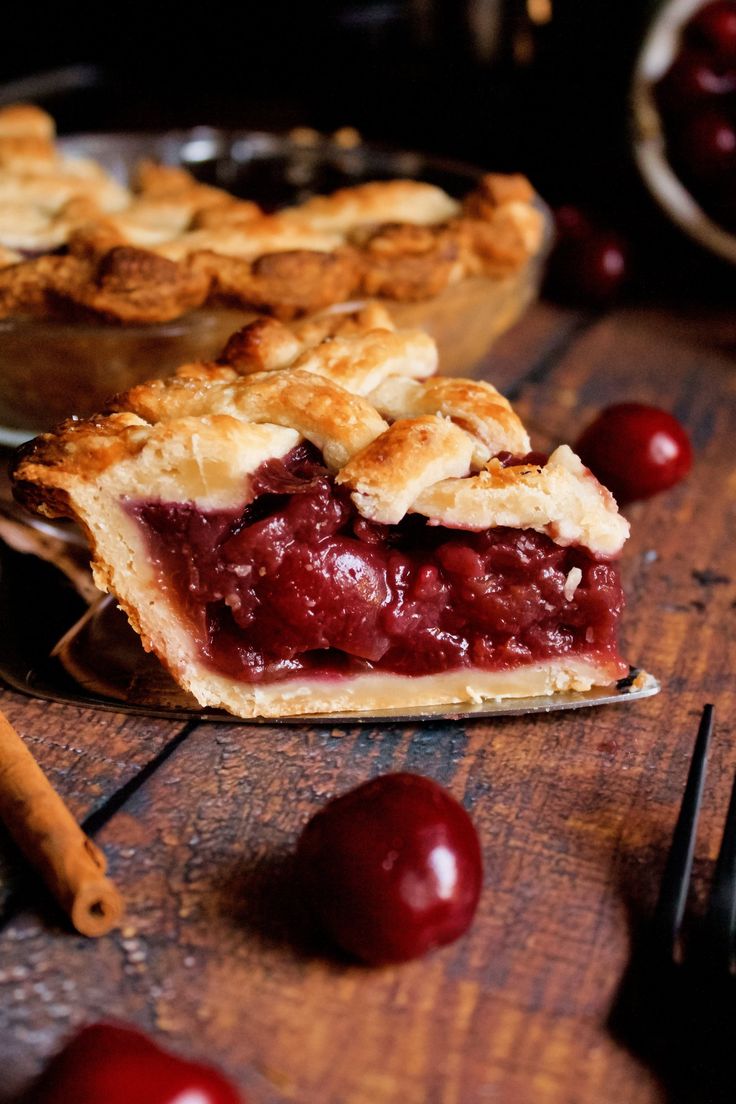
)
(676, 1005)
(719, 924)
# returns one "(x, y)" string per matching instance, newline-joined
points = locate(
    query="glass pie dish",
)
(53, 369)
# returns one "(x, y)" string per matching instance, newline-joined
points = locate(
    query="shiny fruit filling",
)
(297, 582)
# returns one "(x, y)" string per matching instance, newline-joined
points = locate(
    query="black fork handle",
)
(720, 920)
(673, 890)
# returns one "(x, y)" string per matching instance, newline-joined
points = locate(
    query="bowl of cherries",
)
(684, 117)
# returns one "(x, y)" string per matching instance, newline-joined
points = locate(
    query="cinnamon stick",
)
(72, 866)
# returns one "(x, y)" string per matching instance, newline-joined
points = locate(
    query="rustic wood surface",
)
(574, 813)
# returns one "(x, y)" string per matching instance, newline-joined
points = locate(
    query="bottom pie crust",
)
(377, 690)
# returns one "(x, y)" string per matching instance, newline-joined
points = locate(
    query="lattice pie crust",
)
(399, 438)
(75, 243)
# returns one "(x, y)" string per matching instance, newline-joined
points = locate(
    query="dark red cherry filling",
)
(590, 264)
(297, 582)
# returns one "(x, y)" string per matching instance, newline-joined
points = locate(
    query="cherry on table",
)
(107, 1063)
(572, 223)
(392, 868)
(635, 450)
(590, 264)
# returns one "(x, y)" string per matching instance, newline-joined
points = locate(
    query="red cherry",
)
(571, 223)
(635, 450)
(714, 27)
(707, 146)
(590, 269)
(392, 868)
(113, 1064)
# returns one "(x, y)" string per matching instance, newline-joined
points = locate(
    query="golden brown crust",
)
(561, 499)
(22, 151)
(334, 394)
(409, 262)
(92, 236)
(360, 362)
(126, 285)
(413, 454)
(500, 244)
(35, 287)
(345, 320)
(168, 184)
(25, 120)
(401, 240)
(338, 423)
(391, 201)
(9, 257)
(133, 285)
(474, 405)
(263, 346)
(267, 344)
(286, 284)
(75, 451)
(494, 190)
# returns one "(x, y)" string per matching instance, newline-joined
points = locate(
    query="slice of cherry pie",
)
(317, 522)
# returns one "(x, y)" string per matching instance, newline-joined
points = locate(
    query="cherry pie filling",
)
(296, 582)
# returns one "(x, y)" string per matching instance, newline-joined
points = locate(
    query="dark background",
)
(549, 99)
(546, 98)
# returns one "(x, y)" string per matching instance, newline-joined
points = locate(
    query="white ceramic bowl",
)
(659, 49)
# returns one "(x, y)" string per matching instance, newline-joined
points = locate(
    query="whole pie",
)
(76, 243)
(317, 522)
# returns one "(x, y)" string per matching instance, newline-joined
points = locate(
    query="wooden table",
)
(574, 812)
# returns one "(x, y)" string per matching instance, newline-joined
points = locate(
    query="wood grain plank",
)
(214, 956)
(87, 755)
(536, 341)
(693, 323)
(574, 812)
